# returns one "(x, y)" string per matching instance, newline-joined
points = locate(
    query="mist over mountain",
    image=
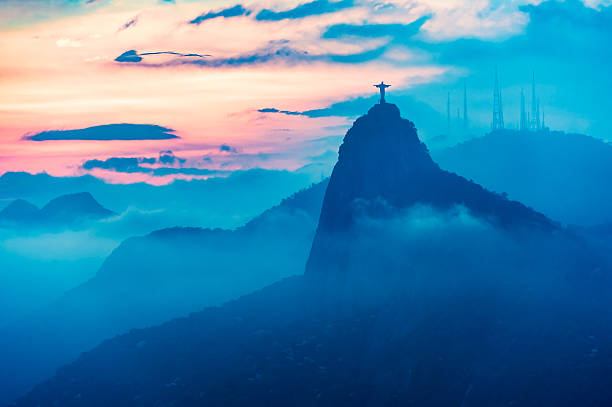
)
(563, 175)
(383, 167)
(38, 266)
(422, 288)
(45, 252)
(42, 257)
(151, 279)
(144, 208)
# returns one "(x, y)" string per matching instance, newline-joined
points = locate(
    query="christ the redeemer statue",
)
(382, 86)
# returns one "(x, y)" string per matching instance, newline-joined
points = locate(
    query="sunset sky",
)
(275, 84)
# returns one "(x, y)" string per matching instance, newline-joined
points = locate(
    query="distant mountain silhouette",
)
(19, 211)
(464, 298)
(64, 211)
(565, 176)
(151, 279)
(66, 208)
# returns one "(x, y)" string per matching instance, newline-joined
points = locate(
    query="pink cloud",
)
(54, 84)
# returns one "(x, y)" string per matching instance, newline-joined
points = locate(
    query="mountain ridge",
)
(563, 175)
(452, 308)
(162, 275)
(19, 210)
(65, 210)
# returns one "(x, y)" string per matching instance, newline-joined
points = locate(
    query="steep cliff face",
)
(384, 168)
(381, 158)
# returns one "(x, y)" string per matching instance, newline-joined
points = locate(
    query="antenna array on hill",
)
(498, 112)
(524, 124)
(534, 123)
(465, 113)
(448, 114)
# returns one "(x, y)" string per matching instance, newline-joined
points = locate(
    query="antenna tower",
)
(498, 113)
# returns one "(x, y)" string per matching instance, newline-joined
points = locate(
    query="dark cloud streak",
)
(168, 157)
(224, 148)
(429, 120)
(176, 53)
(396, 31)
(275, 52)
(316, 7)
(132, 165)
(123, 131)
(129, 24)
(235, 11)
(133, 56)
(129, 56)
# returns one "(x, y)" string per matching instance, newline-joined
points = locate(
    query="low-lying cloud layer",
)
(166, 164)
